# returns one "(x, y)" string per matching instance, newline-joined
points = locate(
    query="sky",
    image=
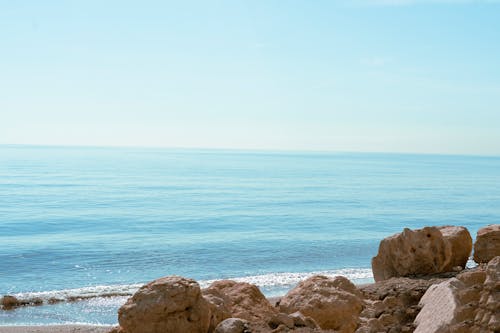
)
(416, 76)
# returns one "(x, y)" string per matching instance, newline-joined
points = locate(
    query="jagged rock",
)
(219, 306)
(487, 244)
(168, 305)
(461, 246)
(299, 320)
(232, 325)
(469, 304)
(244, 300)
(334, 303)
(440, 306)
(424, 251)
(281, 319)
(487, 316)
(392, 305)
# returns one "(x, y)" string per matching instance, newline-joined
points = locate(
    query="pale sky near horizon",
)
(419, 76)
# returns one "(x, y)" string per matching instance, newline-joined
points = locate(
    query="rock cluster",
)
(424, 251)
(421, 286)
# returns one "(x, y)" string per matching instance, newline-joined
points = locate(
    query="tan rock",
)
(232, 325)
(281, 319)
(488, 316)
(219, 307)
(299, 320)
(168, 305)
(243, 300)
(461, 246)
(396, 297)
(412, 252)
(334, 303)
(487, 244)
(440, 305)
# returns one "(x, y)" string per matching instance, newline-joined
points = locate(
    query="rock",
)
(168, 305)
(243, 300)
(416, 252)
(9, 302)
(281, 319)
(461, 246)
(232, 325)
(219, 307)
(440, 306)
(334, 303)
(393, 304)
(487, 244)
(299, 320)
(487, 318)
(469, 304)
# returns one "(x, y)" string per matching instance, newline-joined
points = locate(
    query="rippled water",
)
(96, 220)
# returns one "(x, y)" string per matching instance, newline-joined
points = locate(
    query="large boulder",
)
(425, 251)
(440, 307)
(334, 303)
(469, 303)
(168, 305)
(487, 244)
(461, 246)
(242, 300)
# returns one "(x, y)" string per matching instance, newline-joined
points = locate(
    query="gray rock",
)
(232, 325)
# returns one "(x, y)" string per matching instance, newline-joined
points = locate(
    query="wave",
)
(280, 280)
(267, 282)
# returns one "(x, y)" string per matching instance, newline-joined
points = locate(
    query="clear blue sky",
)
(359, 75)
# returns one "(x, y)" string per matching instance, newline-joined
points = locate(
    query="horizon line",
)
(261, 150)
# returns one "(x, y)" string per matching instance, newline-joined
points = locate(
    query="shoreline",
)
(56, 329)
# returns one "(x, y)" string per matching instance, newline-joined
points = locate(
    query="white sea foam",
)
(276, 281)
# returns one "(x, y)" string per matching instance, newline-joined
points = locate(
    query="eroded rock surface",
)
(425, 251)
(168, 305)
(487, 244)
(468, 304)
(243, 300)
(461, 246)
(334, 303)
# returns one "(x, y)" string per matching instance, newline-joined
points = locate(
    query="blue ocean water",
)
(97, 221)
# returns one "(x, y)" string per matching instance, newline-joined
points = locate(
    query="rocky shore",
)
(421, 285)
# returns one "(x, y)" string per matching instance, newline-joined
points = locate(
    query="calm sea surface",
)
(92, 221)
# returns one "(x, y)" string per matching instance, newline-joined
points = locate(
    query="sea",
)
(97, 223)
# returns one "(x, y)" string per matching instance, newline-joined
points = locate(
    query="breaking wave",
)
(269, 283)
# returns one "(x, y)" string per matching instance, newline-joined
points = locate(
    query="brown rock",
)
(9, 302)
(299, 320)
(487, 244)
(168, 305)
(393, 304)
(334, 303)
(243, 300)
(219, 307)
(461, 245)
(412, 252)
(281, 319)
